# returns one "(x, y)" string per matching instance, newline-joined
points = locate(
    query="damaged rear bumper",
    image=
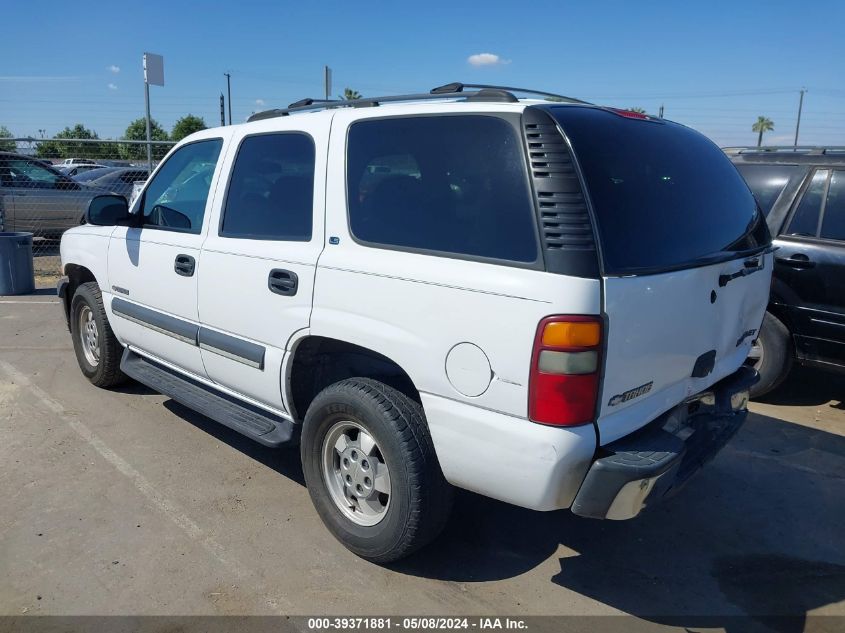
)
(640, 469)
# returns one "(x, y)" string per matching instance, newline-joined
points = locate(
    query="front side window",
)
(271, 192)
(833, 222)
(767, 181)
(176, 197)
(805, 219)
(450, 184)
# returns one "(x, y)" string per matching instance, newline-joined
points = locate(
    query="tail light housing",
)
(565, 368)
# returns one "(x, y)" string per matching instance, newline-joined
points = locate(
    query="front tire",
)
(371, 470)
(97, 350)
(771, 355)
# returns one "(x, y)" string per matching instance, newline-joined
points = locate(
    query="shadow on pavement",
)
(284, 461)
(807, 386)
(756, 533)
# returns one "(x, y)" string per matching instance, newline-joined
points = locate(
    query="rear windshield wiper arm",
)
(749, 266)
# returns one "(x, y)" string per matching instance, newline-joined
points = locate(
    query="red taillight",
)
(565, 366)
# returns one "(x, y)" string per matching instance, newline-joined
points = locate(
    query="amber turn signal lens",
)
(572, 334)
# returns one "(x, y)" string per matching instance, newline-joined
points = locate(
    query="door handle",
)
(184, 265)
(798, 260)
(283, 282)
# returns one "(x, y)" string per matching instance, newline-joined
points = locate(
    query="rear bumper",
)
(639, 470)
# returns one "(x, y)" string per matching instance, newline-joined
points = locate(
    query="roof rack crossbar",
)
(458, 87)
(316, 104)
(804, 149)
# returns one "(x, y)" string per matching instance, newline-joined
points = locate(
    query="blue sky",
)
(714, 65)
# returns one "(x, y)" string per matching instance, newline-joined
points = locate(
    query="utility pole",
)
(153, 74)
(222, 110)
(229, 92)
(327, 81)
(660, 114)
(798, 122)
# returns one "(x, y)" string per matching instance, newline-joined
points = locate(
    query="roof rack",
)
(810, 150)
(449, 91)
(459, 87)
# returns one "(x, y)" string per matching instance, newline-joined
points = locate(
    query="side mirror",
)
(107, 211)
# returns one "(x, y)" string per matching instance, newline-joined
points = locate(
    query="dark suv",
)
(802, 193)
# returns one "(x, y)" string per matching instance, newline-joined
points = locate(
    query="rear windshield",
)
(664, 196)
(767, 181)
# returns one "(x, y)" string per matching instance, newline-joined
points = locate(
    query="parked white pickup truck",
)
(548, 303)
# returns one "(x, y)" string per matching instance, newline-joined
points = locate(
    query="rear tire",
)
(357, 433)
(773, 349)
(97, 350)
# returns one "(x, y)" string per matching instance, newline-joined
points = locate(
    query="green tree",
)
(6, 146)
(137, 131)
(349, 94)
(763, 124)
(49, 149)
(185, 126)
(637, 109)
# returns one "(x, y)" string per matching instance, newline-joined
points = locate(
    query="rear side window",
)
(767, 181)
(271, 191)
(833, 223)
(664, 196)
(450, 184)
(805, 219)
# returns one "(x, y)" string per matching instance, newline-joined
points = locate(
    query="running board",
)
(261, 426)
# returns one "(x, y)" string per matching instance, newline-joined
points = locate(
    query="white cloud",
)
(112, 87)
(259, 102)
(486, 59)
(113, 69)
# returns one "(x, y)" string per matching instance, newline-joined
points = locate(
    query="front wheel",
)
(771, 356)
(371, 470)
(97, 350)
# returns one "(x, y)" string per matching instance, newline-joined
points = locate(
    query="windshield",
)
(663, 195)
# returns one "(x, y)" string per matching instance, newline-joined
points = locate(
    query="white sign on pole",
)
(154, 69)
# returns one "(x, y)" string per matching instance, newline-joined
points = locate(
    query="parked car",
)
(75, 170)
(802, 193)
(464, 318)
(92, 174)
(117, 180)
(39, 199)
(76, 161)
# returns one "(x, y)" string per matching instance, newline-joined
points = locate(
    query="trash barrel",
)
(17, 276)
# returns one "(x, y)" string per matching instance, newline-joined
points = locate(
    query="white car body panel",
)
(141, 265)
(233, 291)
(416, 309)
(659, 325)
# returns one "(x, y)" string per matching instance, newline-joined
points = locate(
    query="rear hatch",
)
(685, 260)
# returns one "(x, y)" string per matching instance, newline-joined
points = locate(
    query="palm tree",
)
(349, 94)
(763, 124)
(637, 109)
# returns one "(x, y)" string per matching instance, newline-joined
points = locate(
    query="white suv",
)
(548, 303)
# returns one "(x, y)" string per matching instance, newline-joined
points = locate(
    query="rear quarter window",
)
(768, 181)
(663, 195)
(453, 184)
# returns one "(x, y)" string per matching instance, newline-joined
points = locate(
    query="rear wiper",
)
(749, 266)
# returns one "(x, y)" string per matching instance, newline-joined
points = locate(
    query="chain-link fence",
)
(46, 185)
